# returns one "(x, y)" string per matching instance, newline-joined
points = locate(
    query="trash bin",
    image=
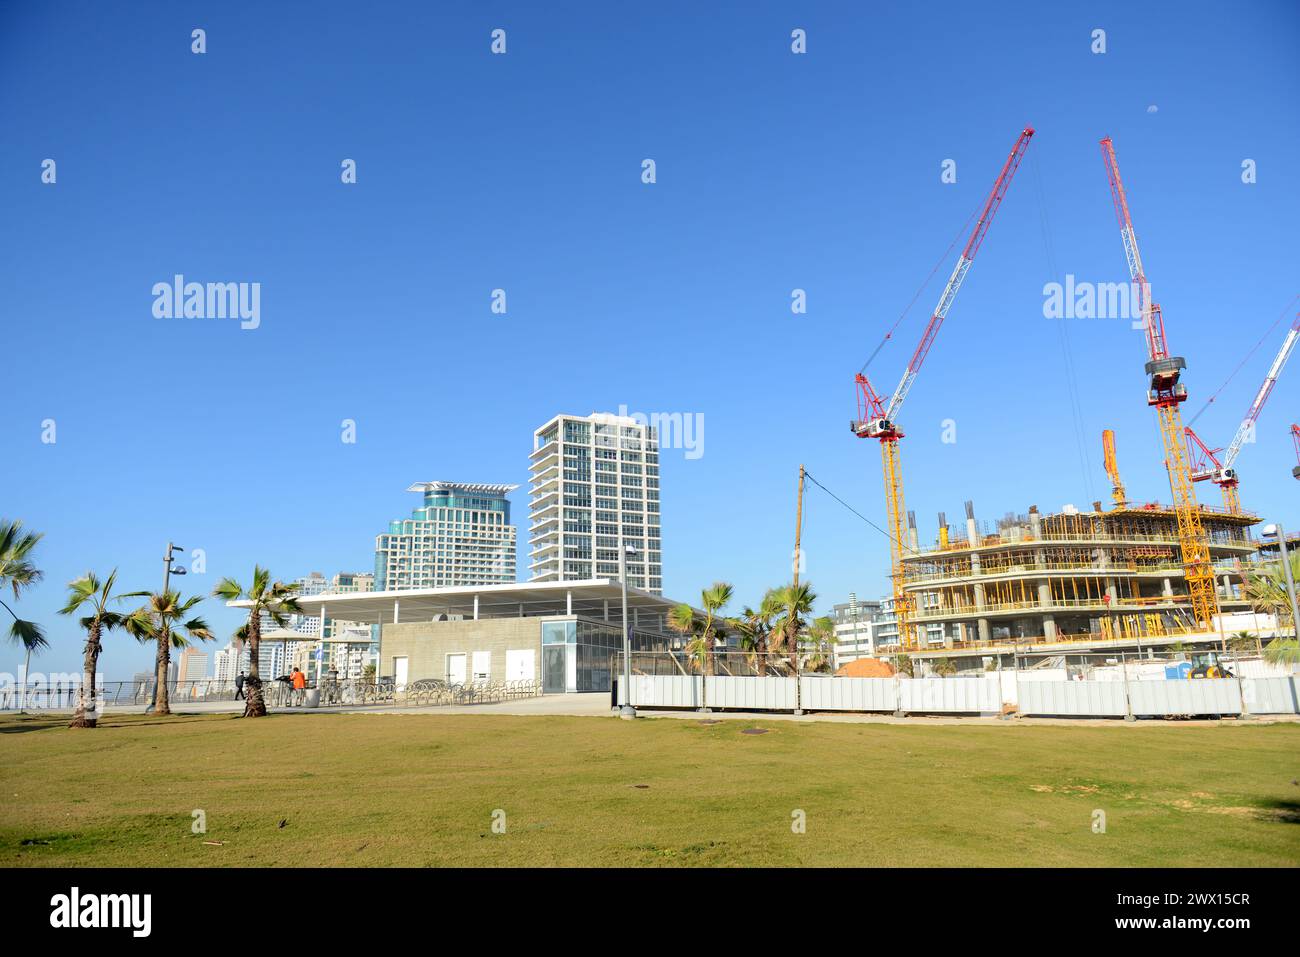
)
(312, 698)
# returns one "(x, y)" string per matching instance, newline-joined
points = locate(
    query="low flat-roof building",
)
(563, 634)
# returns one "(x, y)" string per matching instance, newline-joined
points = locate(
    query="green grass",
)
(421, 789)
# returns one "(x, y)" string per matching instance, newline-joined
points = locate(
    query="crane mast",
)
(1165, 392)
(877, 413)
(1117, 491)
(1206, 463)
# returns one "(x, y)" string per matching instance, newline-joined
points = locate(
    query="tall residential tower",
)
(460, 535)
(591, 476)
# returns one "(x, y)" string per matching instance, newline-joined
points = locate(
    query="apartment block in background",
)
(591, 477)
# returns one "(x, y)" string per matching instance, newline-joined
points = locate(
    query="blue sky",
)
(775, 171)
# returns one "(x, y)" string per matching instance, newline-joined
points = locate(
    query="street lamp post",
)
(168, 571)
(1277, 530)
(627, 711)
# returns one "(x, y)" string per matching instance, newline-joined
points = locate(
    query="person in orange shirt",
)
(299, 686)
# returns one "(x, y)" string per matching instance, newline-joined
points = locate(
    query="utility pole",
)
(798, 527)
(798, 555)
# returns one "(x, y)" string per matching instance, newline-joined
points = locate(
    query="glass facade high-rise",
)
(460, 535)
(591, 478)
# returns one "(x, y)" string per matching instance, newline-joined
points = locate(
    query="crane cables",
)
(1063, 335)
(928, 279)
(1286, 310)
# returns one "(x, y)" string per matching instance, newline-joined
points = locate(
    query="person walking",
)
(299, 686)
(239, 687)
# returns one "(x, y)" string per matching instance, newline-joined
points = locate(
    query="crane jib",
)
(1265, 390)
(959, 272)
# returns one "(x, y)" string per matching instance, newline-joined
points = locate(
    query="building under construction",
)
(1071, 576)
(1132, 575)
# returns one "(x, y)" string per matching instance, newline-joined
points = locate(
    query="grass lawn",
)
(377, 789)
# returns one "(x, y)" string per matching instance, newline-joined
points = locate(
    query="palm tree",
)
(755, 629)
(163, 619)
(274, 599)
(702, 631)
(794, 602)
(18, 572)
(90, 591)
(1282, 651)
(1243, 641)
(944, 667)
(821, 635)
(1267, 592)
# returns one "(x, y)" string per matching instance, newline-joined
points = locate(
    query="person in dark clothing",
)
(239, 686)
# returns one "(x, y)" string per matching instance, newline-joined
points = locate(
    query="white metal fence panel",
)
(849, 694)
(1206, 696)
(1099, 699)
(1271, 695)
(922, 695)
(666, 691)
(751, 693)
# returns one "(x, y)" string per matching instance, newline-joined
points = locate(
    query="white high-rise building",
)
(460, 535)
(271, 657)
(225, 663)
(590, 478)
(855, 629)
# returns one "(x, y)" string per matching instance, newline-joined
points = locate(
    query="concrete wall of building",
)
(426, 645)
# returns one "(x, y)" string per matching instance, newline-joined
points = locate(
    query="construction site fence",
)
(735, 664)
(986, 696)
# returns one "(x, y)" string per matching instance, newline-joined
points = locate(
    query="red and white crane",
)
(1295, 437)
(1206, 463)
(1165, 392)
(877, 414)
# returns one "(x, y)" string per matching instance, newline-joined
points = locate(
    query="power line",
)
(905, 545)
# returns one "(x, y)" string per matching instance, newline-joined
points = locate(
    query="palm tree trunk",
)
(163, 705)
(86, 697)
(254, 703)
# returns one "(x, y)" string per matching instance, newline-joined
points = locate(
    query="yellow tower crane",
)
(1166, 393)
(876, 413)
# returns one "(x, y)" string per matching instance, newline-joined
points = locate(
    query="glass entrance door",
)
(554, 669)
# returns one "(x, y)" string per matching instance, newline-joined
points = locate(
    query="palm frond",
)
(17, 570)
(28, 634)
(681, 619)
(229, 589)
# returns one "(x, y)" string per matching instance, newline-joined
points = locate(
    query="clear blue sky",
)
(775, 171)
